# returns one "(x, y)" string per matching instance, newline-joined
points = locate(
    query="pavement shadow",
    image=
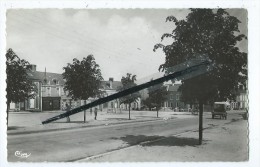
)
(184, 114)
(70, 122)
(147, 116)
(216, 118)
(118, 119)
(13, 127)
(160, 140)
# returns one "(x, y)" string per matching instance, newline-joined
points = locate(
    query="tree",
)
(157, 95)
(211, 32)
(128, 82)
(19, 86)
(83, 79)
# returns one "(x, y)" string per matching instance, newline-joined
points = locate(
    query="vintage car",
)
(220, 109)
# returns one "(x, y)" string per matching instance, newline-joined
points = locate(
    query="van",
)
(220, 109)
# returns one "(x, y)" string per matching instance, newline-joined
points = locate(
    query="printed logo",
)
(21, 154)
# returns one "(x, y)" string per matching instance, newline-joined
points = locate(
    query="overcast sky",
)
(121, 41)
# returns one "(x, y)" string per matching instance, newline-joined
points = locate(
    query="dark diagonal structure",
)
(182, 71)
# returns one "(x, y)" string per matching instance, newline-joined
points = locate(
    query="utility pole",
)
(200, 122)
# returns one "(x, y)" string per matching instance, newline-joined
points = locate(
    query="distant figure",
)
(68, 109)
(90, 111)
(95, 112)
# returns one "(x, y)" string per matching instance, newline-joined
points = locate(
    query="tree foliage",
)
(157, 95)
(211, 32)
(19, 86)
(83, 78)
(129, 81)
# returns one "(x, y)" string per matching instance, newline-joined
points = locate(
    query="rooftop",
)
(52, 78)
(174, 88)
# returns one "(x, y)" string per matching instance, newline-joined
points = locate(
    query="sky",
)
(121, 40)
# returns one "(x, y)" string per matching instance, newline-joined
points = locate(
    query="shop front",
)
(51, 103)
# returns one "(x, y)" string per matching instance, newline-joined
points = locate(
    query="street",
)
(77, 144)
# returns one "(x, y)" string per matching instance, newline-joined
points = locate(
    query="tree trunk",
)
(200, 122)
(129, 110)
(157, 112)
(84, 115)
(7, 112)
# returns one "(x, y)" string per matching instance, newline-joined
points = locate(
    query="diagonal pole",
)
(198, 67)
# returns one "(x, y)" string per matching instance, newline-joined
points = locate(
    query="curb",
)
(81, 127)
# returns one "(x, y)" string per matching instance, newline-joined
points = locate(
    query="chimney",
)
(111, 80)
(32, 67)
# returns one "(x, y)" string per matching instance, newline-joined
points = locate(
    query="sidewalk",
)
(228, 143)
(29, 122)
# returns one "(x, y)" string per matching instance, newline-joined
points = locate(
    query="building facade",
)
(52, 96)
(241, 100)
(33, 104)
(173, 98)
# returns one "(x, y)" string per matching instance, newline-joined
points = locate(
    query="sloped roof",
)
(40, 76)
(115, 85)
(174, 88)
(37, 75)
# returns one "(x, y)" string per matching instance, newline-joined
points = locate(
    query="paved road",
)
(76, 144)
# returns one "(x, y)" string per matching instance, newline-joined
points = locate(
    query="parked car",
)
(220, 109)
(195, 111)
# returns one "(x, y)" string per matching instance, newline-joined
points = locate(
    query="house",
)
(52, 96)
(52, 91)
(49, 92)
(110, 87)
(173, 97)
(241, 99)
(34, 104)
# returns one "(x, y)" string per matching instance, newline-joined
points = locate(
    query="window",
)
(171, 97)
(45, 81)
(37, 102)
(48, 91)
(55, 81)
(177, 97)
(31, 103)
(37, 86)
(65, 92)
(62, 91)
(58, 90)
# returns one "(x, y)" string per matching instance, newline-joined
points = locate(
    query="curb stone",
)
(80, 127)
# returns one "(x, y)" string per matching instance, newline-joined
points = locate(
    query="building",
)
(51, 95)
(111, 87)
(52, 91)
(108, 88)
(49, 92)
(241, 100)
(34, 104)
(173, 97)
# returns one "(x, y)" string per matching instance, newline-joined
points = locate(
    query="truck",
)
(220, 109)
